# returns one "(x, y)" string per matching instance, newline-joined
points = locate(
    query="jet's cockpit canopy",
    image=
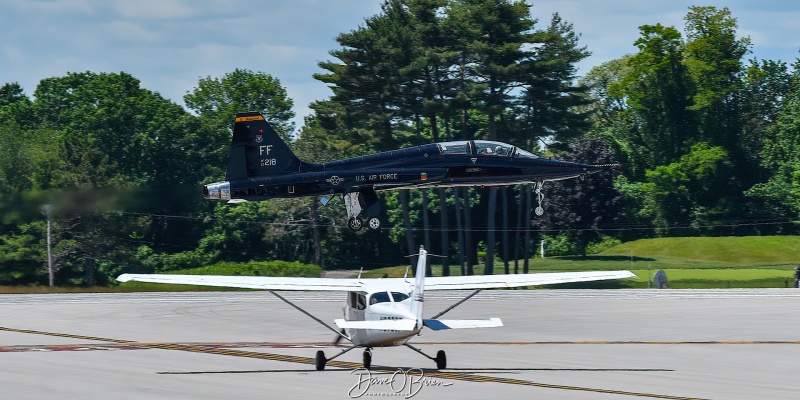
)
(488, 148)
(524, 154)
(460, 147)
(483, 147)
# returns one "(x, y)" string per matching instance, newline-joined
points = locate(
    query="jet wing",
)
(249, 282)
(519, 280)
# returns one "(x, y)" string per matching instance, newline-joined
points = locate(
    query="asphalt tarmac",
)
(556, 344)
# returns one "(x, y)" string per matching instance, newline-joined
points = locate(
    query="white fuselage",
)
(384, 303)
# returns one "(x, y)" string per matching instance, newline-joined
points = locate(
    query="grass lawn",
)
(750, 251)
(694, 262)
(725, 262)
(127, 287)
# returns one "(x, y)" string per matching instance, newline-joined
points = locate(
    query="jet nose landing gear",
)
(539, 211)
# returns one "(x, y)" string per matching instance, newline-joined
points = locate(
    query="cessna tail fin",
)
(418, 297)
(257, 150)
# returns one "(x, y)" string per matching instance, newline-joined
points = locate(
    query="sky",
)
(170, 44)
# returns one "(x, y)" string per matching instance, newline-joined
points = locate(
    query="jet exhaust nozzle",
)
(217, 191)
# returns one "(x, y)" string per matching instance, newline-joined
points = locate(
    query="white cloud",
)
(154, 9)
(169, 44)
(48, 7)
(130, 32)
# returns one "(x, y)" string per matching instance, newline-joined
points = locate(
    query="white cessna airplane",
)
(387, 311)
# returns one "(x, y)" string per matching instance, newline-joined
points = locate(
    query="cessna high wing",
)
(389, 311)
(261, 167)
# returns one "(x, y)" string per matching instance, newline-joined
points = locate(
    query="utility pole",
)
(48, 211)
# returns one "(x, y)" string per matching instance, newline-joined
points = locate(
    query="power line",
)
(482, 228)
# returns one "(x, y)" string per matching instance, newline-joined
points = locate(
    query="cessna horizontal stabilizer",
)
(444, 324)
(387, 324)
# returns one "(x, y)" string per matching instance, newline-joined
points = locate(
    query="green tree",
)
(713, 57)
(765, 86)
(493, 39)
(690, 193)
(550, 100)
(367, 81)
(658, 90)
(21, 255)
(584, 208)
(780, 194)
(11, 93)
(217, 100)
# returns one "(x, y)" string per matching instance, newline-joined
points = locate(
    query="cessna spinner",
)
(262, 167)
(385, 312)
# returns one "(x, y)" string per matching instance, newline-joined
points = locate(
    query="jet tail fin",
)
(257, 150)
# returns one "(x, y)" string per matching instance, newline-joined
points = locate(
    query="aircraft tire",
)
(441, 360)
(320, 360)
(367, 359)
(373, 223)
(355, 224)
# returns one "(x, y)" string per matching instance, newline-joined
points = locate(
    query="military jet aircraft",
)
(388, 311)
(262, 167)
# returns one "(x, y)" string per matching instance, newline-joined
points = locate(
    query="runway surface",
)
(556, 344)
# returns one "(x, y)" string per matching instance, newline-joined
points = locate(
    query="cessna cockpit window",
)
(487, 148)
(524, 154)
(398, 297)
(461, 147)
(379, 297)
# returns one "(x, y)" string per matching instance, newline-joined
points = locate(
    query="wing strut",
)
(339, 334)
(457, 304)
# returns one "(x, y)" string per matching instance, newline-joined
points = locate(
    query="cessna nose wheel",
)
(367, 358)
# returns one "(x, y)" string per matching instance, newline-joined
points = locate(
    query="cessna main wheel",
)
(441, 360)
(373, 223)
(355, 224)
(320, 360)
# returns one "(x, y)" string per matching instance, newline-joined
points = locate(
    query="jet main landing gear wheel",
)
(373, 223)
(320, 360)
(355, 224)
